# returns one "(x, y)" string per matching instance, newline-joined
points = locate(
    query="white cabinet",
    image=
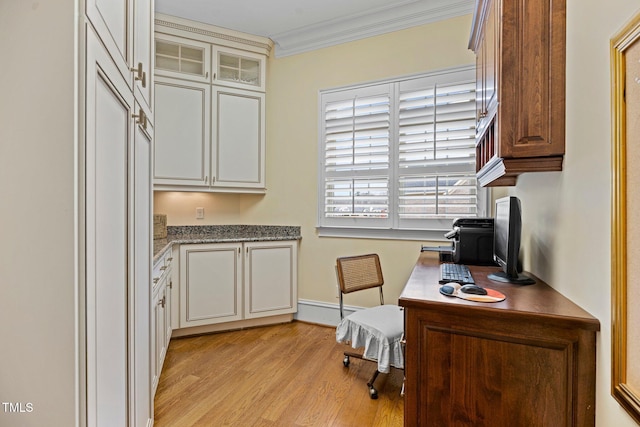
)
(188, 157)
(182, 59)
(160, 342)
(118, 239)
(238, 129)
(125, 28)
(226, 282)
(142, 253)
(182, 144)
(210, 109)
(112, 22)
(210, 283)
(237, 68)
(142, 64)
(161, 307)
(117, 197)
(108, 126)
(270, 278)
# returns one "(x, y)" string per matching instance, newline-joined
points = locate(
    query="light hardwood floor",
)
(285, 375)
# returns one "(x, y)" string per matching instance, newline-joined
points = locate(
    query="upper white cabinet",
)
(210, 96)
(142, 65)
(182, 141)
(237, 68)
(125, 28)
(182, 59)
(112, 22)
(238, 129)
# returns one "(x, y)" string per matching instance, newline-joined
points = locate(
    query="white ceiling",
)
(297, 26)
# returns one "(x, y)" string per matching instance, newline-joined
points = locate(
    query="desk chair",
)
(378, 329)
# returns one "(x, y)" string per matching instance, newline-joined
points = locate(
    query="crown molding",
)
(368, 24)
(209, 33)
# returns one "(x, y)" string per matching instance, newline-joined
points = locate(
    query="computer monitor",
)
(506, 241)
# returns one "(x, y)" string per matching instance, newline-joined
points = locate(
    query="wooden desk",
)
(526, 361)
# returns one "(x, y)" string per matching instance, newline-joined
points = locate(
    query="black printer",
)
(472, 241)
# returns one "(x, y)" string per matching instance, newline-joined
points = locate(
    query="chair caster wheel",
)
(346, 361)
(373, 393)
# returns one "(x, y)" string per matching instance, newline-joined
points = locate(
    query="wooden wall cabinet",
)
(520, 58)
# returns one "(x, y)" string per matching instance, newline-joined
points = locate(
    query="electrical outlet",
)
(199, 213)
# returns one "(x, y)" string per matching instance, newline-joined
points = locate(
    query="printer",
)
(472, 241)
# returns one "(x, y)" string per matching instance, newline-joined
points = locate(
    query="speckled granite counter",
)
(222, 234)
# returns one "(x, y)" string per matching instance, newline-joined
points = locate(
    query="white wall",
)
(567, 215)
(37, 224)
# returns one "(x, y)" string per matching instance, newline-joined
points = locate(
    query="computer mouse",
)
(450, 289)
(473, 289)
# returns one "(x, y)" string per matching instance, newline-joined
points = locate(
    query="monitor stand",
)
(521, 279)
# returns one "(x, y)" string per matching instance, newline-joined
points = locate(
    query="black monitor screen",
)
(506, 241)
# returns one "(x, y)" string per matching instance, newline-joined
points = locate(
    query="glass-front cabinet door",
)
(237, 68)
(177, 59)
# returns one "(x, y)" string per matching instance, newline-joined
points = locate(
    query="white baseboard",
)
(322, 313)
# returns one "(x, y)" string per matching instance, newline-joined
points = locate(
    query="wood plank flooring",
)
(286, 375)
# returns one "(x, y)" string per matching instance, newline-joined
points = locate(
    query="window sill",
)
(383, 233)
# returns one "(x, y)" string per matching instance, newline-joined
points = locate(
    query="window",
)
(398, 157)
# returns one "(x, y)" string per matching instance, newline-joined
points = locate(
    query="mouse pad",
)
(491, 296)
(453, 290)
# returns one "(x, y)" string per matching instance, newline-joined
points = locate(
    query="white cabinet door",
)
(141, 201)
(238, 68)
(210, 284)
(143, 53)
(238, 139)
(159, 332)
(181, 133)
(112, 22)
(168, 308)
(108, 292)
(182, 59)
(270, 276)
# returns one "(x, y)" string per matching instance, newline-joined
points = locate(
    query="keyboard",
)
(455, 273)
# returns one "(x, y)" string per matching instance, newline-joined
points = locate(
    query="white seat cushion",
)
(377, 329)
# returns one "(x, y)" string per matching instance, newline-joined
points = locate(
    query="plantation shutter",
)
(436, 146)
(399, 155)
(357, 155)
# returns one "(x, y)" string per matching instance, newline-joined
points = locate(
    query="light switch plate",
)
(199, 213)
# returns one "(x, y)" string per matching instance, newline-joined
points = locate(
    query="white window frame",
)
(432, 229)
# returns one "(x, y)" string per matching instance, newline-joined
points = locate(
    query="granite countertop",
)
(223, 233)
